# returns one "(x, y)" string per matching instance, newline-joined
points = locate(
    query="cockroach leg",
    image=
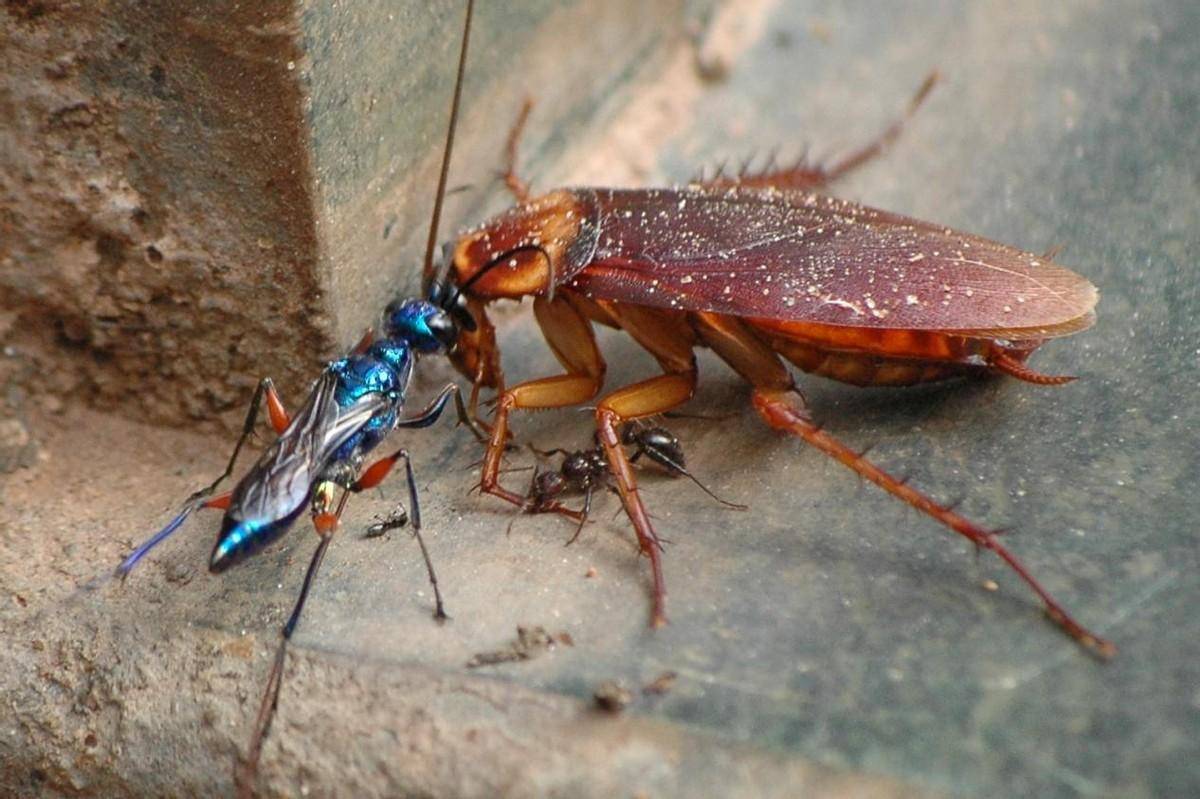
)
(646, 398)
(806, 176)
(518, 187)
(784, 411)
(885, 139)
(1009, 365)
(570, 337)
(779, 403)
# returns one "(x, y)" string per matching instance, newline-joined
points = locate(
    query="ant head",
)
(424, 325)
(547, 485)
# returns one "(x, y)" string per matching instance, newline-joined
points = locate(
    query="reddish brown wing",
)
(804, 257)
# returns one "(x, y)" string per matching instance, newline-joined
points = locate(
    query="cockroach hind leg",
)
(1007, 364)
(779, 409)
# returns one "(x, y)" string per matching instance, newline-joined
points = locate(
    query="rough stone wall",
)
(153, 204)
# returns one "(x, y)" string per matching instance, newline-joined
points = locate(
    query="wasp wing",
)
(280, 482)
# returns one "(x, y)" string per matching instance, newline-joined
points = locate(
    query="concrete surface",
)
(194, 195)
(826, 625)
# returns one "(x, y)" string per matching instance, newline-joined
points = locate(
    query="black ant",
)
(585, 470)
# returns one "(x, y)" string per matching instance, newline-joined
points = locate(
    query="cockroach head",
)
(424, 325)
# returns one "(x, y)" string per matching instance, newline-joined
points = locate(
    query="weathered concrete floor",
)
(827, 623)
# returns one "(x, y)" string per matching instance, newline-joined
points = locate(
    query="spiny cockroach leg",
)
(518, 187)
(783, 411)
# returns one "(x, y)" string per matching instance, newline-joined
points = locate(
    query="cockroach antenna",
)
(428, 269)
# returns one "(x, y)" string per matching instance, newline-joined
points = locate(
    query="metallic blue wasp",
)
(319, 458)
(354, 404)
(320, 454)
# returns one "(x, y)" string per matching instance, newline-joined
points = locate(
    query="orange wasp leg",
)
(326, 523)
(570, 337)
(780, 404)
(326, 519)
(201, 498)
(279, 421)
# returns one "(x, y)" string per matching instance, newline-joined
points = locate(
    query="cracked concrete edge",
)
(194, 197)
(117, 714)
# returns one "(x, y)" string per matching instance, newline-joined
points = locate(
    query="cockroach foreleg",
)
(477, 356)
(570, 337)
(518, 187)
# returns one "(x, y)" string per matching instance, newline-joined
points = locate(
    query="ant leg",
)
(583, 515)
(783, 408)
(806, 176)
(570, 336)
(200, 499)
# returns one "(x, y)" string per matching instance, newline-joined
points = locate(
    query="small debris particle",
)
(591, 572)
(530, 642)
(612, 697)
(18, 450)
(820, 30)
(661, 684)
(990, 585)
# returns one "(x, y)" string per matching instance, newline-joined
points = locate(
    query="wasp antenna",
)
(431, 242)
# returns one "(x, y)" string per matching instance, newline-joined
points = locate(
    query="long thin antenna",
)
(427, 271)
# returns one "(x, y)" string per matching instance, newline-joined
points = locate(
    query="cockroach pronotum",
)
(761, 269)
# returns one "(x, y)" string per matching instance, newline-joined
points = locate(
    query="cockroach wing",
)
(280, 482)
(803, 257)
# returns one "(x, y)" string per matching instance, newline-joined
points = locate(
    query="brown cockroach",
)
(761, 269)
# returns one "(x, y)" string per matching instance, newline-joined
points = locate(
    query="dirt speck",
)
(612, 697)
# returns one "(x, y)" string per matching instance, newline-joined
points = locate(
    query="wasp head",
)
(425, 326)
